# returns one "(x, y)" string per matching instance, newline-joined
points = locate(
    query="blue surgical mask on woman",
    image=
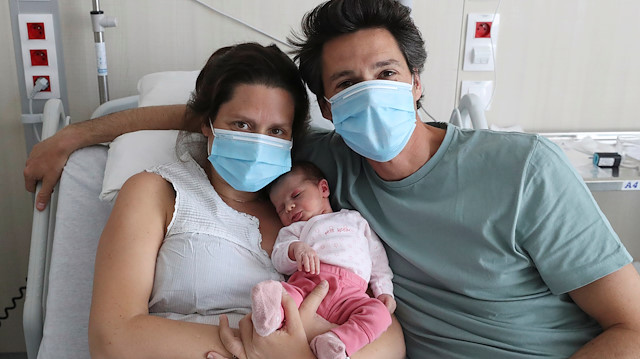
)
(375, 118)
(249, 161)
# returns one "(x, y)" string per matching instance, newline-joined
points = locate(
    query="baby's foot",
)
(267, 310)
(328, 346)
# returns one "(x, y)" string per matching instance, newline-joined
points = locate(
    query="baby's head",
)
(300, 194)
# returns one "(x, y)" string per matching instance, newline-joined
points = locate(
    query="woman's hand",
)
(288, 342)
(388, 302)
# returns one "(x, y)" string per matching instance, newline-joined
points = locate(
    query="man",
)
(497, 247)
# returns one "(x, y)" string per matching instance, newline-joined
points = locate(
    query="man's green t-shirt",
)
(485, 241)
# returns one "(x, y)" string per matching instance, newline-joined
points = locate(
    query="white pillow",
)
(166, 88)
(134, 152)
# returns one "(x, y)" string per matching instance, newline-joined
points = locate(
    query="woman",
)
(187, 241)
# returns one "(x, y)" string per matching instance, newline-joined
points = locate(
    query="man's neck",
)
(422, 145)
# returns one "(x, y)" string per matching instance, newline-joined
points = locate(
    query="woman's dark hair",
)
(247, 64)
(339, 17)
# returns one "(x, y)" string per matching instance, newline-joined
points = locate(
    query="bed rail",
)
(53, 119)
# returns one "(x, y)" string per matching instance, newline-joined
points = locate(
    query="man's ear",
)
(325, 108)
(417, 86)
(323, 186)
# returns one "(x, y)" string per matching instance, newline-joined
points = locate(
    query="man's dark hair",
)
(339, 17)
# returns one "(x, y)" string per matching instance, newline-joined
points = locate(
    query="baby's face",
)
(298, 199)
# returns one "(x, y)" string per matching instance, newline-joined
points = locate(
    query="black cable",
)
(14, 304)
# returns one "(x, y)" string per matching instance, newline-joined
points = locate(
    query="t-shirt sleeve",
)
(561, 226)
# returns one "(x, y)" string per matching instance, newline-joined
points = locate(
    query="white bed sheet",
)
(80, 218)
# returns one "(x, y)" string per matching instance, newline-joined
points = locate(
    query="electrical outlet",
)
(35, 31)
(39, 57)
(46, 89)
(483, 29)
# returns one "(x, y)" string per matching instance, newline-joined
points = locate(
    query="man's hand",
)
(45, 163)
(306, 257)
(388, 302)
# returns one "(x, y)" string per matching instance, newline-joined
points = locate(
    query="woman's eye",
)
(277, 132)
(345, 84)
(241, 125)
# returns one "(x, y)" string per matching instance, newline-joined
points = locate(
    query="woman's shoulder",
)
(147, 184)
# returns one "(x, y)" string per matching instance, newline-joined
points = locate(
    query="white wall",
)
(565, 65)
(562, 66)
(15, 217)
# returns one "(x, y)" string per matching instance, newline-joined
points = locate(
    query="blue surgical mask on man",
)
(249, 161)
(375, 118)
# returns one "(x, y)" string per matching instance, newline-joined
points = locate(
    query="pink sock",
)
(328, 346)
(266, 300)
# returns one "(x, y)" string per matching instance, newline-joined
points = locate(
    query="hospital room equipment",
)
(65, 236)
(100, 21)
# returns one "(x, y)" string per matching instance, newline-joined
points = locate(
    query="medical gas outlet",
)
(480, 45)
(39, 58)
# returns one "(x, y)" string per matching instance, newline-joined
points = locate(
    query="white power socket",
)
(39, 57)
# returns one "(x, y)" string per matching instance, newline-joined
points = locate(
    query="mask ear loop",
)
(213, 134)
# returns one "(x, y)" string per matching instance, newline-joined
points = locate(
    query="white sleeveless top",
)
(210, 257)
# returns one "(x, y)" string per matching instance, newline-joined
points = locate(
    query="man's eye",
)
(387, 73)
(277, 132)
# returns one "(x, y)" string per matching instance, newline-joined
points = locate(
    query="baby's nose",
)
(290, 206)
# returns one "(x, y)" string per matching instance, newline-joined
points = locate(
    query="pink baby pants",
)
(361, 318)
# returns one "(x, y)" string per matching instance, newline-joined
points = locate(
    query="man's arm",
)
(614, 301)
(47, 159)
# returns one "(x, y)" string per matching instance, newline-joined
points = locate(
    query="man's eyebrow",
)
(385, 63)
(376, 65)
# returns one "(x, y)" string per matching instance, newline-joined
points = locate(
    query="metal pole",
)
(99, 22)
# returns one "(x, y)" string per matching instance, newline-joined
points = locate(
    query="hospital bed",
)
(65, 236)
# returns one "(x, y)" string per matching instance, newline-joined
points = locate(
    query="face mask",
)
(249, 161)
(375, 118)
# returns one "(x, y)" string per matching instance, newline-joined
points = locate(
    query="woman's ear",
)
(206, 129)
(323, 186)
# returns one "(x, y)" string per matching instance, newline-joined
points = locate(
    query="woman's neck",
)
(228, 193)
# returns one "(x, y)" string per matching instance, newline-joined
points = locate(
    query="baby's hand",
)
(306, 257)
(388, 302)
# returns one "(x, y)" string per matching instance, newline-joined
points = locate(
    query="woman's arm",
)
(120, 325)
(48, 157)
